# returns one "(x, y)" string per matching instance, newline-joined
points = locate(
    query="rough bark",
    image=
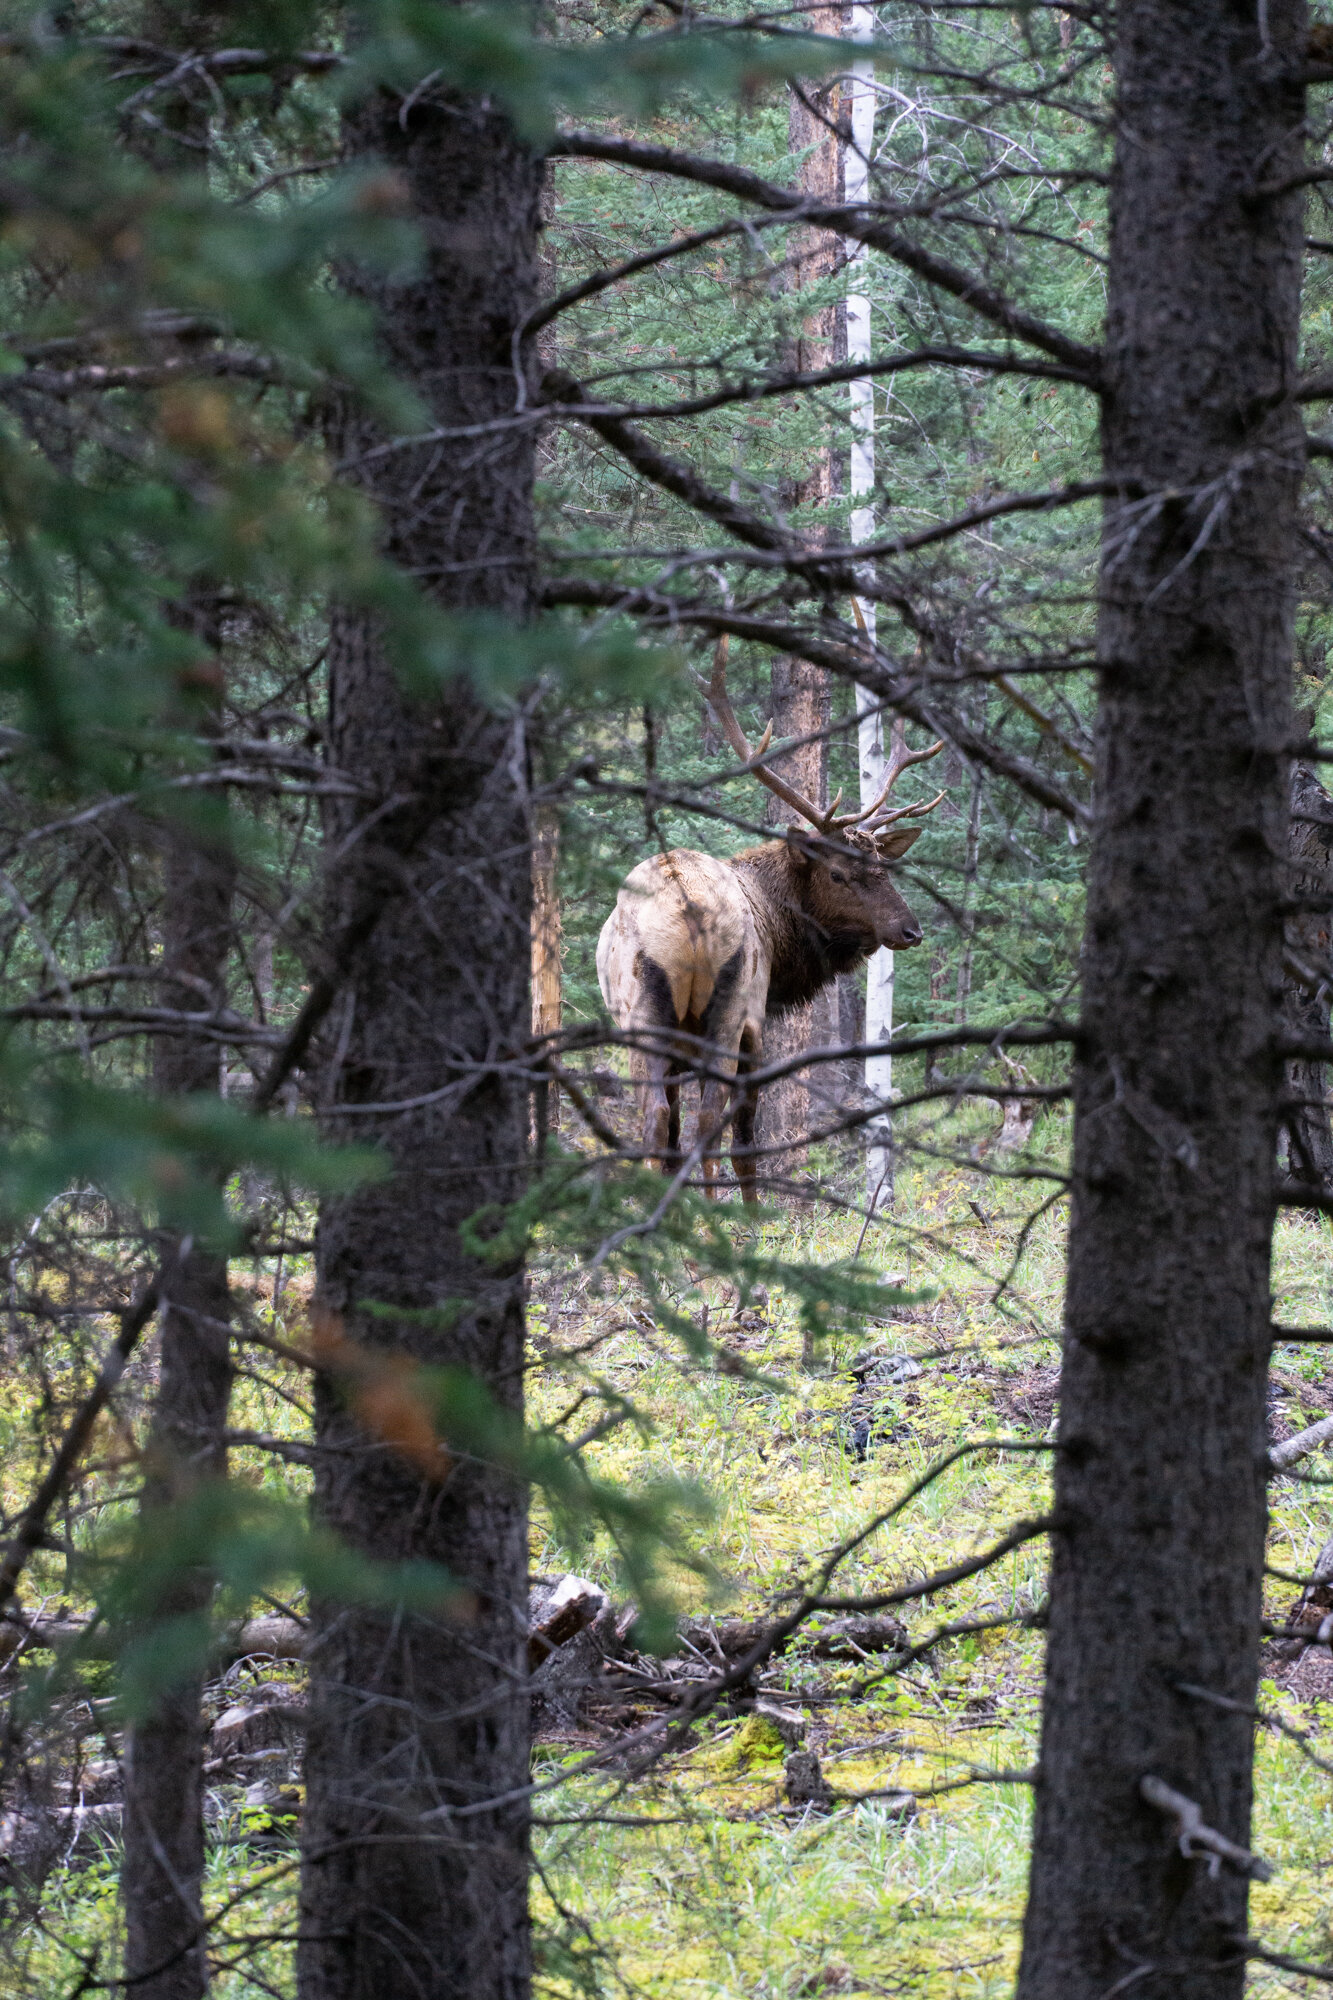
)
(413, 1883)
(163, 1862)
(800, 701)
(1309, 976)
(547, 928)
(800, 690)
(1160, 1476)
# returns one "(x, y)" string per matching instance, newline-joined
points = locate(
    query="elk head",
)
(845, 884)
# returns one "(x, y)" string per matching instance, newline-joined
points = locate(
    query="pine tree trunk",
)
(413, 1881)
(163, 1860)
(1309, 978)
(799, 691)
(162, 1863)
(1160, 1496)
(800, 700)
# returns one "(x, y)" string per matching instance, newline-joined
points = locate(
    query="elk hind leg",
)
(672, 1087)
(655, 1067)
(661, 1114)
(650, 1073)
(745, 1107)
(714, 1107)
(720, 1029)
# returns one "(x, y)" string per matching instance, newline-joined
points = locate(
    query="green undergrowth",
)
(698, 1878)
(722, 1890)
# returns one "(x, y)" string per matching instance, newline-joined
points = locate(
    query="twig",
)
(1253, 1949)
(27, 1536)
(1197, 1840)
(1266, 1717)
(865, 225)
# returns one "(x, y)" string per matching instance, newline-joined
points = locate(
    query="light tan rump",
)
(687, 915)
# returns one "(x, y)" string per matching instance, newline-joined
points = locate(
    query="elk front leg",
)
(746, 1105)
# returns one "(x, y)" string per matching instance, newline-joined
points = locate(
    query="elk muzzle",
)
(903, 935)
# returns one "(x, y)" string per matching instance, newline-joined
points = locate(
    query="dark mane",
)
(806, 954)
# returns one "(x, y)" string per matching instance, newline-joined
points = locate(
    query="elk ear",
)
(892, 846)
(798, 842)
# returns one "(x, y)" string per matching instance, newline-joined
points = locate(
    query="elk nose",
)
(911, 933)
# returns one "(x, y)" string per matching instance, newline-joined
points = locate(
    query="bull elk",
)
(699, 952)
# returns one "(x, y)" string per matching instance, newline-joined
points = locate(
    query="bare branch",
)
(1198, 1840)
(1285, 1963)
(1281, 1457)
(98, 377)
(894, 690)
(32, 1525)
(864, 226)
(218, 1027)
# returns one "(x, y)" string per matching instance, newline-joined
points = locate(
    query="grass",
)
(699, 1880)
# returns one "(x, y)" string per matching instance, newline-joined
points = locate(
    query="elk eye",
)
(838, 875)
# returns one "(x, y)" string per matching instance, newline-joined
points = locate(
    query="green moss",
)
(756, 1742)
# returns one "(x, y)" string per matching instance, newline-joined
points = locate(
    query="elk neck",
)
(804, 955)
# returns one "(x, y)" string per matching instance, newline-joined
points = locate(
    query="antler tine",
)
(720, 703)
(856, 818)
(898, 763)
(899, 760)
(902, 756)
(716, 691)
(917, 811)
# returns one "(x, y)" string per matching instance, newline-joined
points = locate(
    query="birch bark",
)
(870, 730)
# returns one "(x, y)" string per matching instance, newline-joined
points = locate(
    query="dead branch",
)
(220, 1027)
(98, 378)
(28, 1535)
(1283, 1960)
(1282, 1457)
(863, 224)
(1197, 1840)
(840, 658)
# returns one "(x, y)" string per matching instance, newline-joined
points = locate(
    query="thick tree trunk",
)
(1309, 979)
(800, 699)
(1160, 1477)
(800, 692)
(415, 1847)
(163, 1862)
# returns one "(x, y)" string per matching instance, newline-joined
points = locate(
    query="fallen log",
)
(1281, 1457)
(557, 1614)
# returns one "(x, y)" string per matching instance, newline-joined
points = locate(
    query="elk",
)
(699, 952)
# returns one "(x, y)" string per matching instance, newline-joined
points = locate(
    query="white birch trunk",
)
(870, 738)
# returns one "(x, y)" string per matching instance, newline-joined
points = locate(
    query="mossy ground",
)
(698, 1879)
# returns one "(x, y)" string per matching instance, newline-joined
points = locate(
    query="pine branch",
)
(841, 659)
(865, 227)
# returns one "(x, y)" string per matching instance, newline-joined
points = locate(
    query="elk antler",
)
(832, 821)
(715, 689)
(874, 821)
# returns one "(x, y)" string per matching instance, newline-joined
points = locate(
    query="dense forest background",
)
(444, 1556)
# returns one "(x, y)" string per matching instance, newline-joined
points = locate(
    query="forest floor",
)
(699, 1877)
